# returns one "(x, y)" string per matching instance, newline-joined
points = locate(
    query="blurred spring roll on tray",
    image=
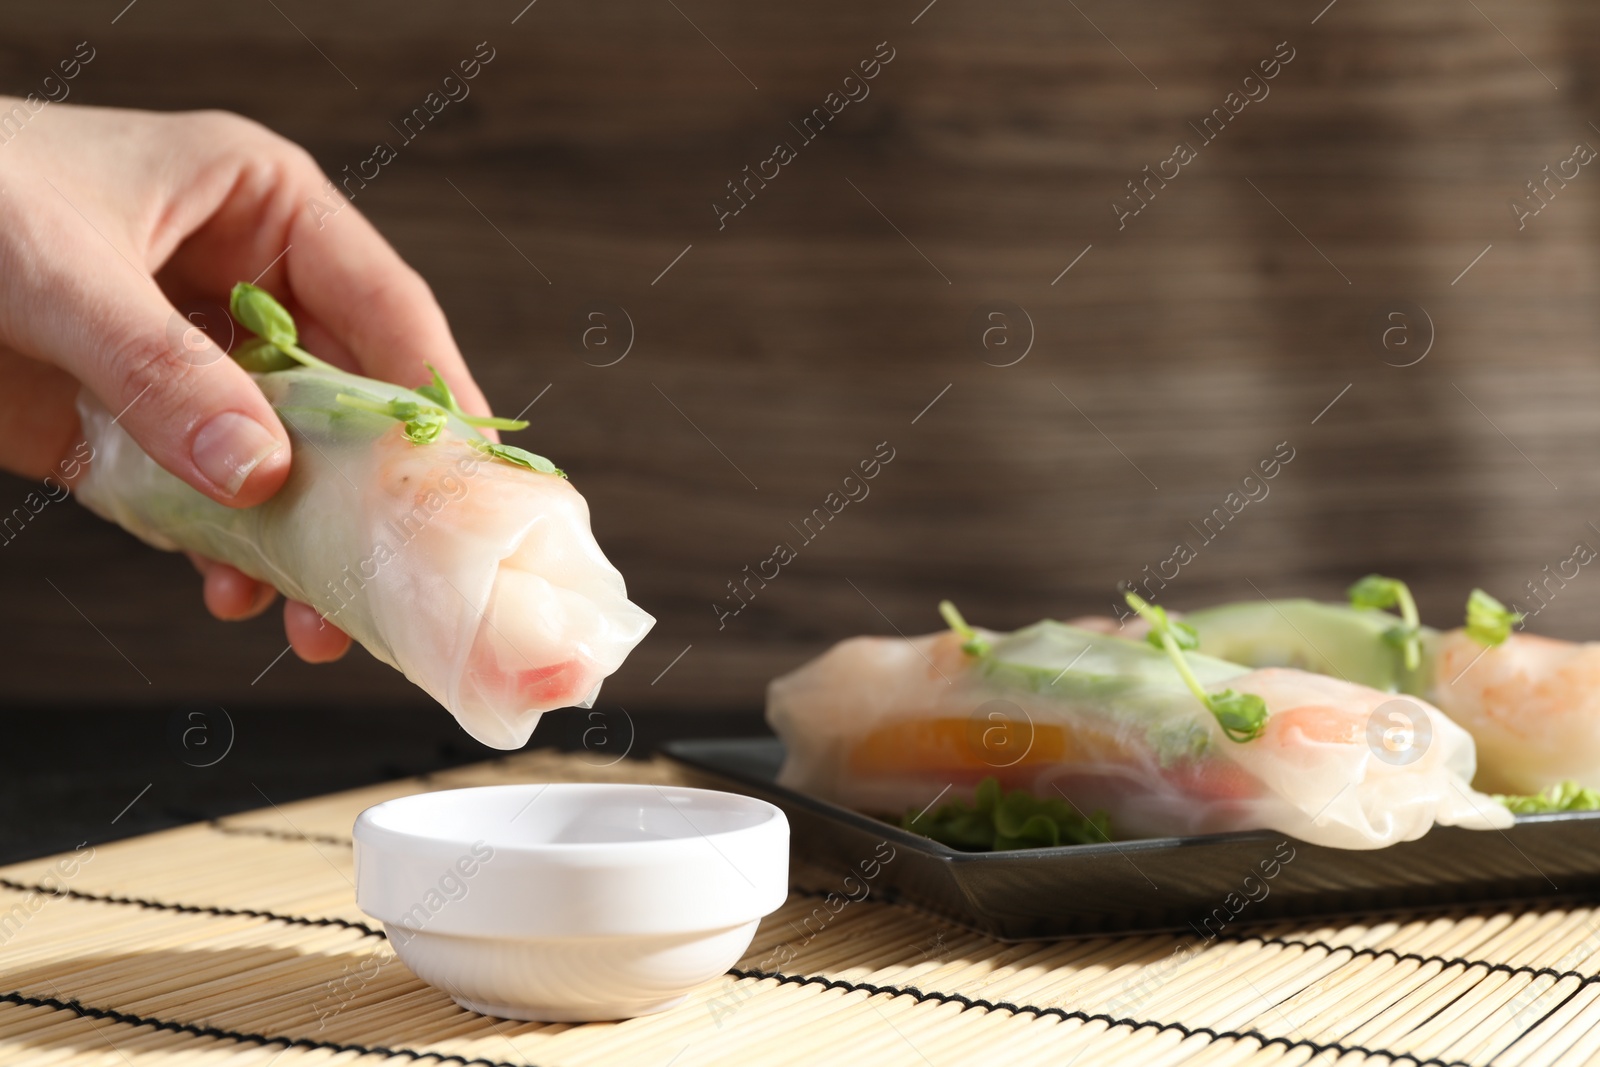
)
(466, 564)
(1148, 735)
(1532, 703)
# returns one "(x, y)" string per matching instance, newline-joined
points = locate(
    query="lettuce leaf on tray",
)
(1563, 796)
(997, 821)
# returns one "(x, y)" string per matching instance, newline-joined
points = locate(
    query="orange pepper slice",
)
(967, 750)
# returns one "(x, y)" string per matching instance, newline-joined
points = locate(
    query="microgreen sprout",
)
(1242, 716)
(260, 356)
(438, 392)
(276, 347)
(972, 643)
(261, 314)
(1376, 591)
(521, 457)
(423, 424)
(1489, 622)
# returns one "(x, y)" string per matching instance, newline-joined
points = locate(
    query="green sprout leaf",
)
(998, 821)
(438, 392)
(1563, 796)
(1489, 622)
(260, 356)
(519, 456)
(1183, 635)
(1376, 591)
(276, 347)
(258, 312)
(1242, 716)
(971, 643)
(423, 424)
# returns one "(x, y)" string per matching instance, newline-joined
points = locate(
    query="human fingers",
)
(315, 640)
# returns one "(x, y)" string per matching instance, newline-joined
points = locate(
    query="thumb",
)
(170, 384)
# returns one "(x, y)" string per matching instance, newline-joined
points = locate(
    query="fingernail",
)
(229, 447)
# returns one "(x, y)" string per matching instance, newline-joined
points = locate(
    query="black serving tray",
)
(1202, 884)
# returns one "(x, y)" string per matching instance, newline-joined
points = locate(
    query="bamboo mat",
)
(238, 942)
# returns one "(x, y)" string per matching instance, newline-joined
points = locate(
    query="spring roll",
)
(1531, 703)
(886, 724)
(468, 566)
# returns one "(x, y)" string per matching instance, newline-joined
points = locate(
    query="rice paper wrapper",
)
(1532, 703)
(478, 579)
(885, 725)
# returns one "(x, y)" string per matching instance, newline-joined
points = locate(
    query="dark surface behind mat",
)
(846, 305)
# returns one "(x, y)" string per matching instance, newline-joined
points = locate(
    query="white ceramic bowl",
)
(571, 902)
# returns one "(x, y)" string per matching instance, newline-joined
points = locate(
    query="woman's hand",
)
(110, 218)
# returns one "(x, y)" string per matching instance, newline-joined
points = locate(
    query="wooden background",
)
(1176, 354)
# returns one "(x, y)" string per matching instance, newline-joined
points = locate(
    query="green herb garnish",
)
(261, 314)
(260, 356)
(1489, 622)
(1242, 716)
(1564, 796)
(1376, 591)
(423, 424)
(994, 822)
(519, 456)
(971, 643)
(438, 392)
(276, 347)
